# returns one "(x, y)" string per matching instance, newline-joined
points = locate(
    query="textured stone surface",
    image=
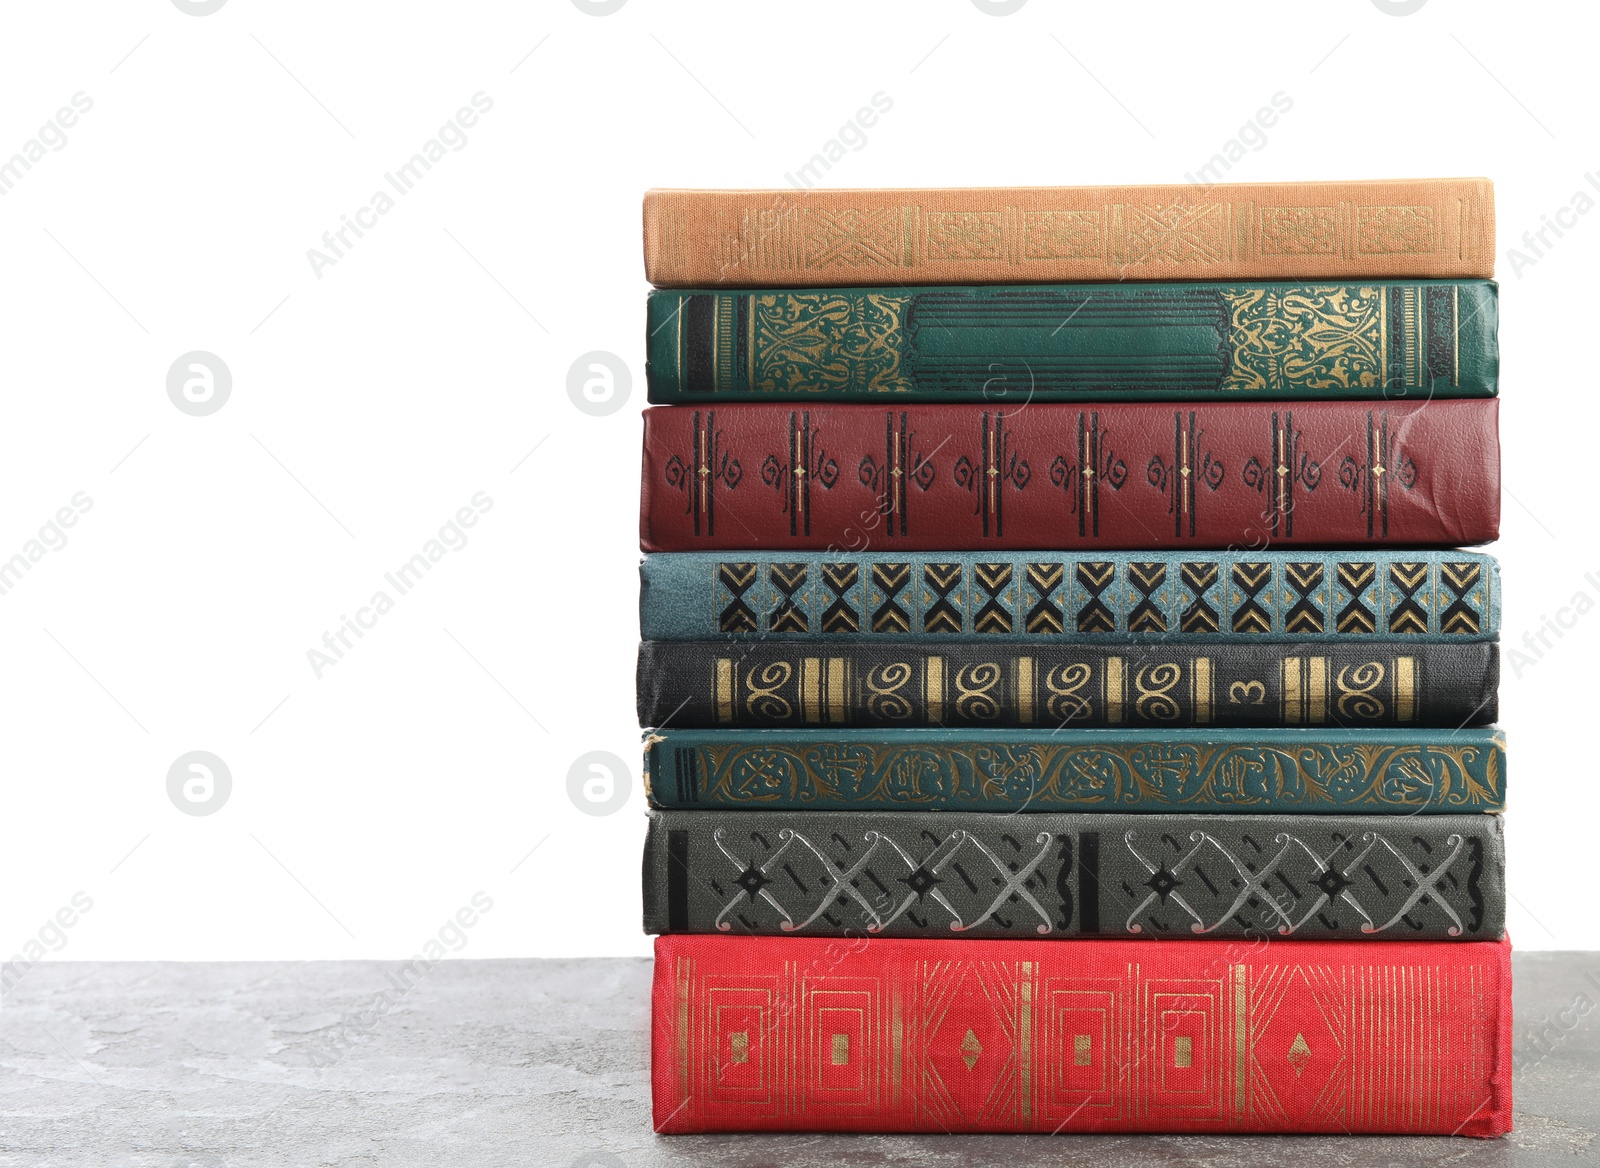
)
(546, 1062)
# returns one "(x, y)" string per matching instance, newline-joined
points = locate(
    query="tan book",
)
(1394, 228)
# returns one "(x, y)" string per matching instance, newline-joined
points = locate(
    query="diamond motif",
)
(921, 882)
(1299, 1054)
(971, 1048)
(752, 880)
(1332, 883)
(1162, 882)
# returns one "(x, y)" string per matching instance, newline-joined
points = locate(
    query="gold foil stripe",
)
(1025, 1042)
(1025, 690)
(678, 342)
(723, 689)
(1405, 688)
(838, 701)
(1241, 1039)
(1293, 708)
(1113, 690)
(1318, 686)
(811, 689)
(934, 688)
(1202, 689)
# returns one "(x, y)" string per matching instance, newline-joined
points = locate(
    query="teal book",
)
(1011, 344)
(1291, 771)
(1190, 597)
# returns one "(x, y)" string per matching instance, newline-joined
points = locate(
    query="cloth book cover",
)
(1109, 475)
(1306, 772)
(707, 684)
(1395, 228)
(793, 1034)
(1064, 875)
(1009, 345)
(1176, 598)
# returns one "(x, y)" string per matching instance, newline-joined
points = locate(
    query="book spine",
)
(1317, 772)
(716, 684)
(1075, 342)
(1064, 875)
(1176, 598)
(1113, 475)
(1402, 229)
(794, 1034)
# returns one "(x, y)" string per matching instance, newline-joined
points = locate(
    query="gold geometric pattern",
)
(1395, 231)
(1063, 235)
(971, 1048)
(1288, 1044)
(852, 238)
(1127, 234)
(1169, 235)
(1299, 1054)
(1299, 230)
(965, 235)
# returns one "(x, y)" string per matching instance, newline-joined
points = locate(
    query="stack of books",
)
(1065, 709)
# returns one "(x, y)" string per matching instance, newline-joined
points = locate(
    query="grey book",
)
(955, 874)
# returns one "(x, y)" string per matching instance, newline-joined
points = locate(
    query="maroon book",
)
(792, 1034)
(1057, 476)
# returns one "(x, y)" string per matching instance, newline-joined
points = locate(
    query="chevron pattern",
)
(1093, 615)
(789, 616)
(1304, 580)
(994, 614)
(840, 616)
(1199, 616)
(1460, 618)
(890, 580)
(1408, 617)
(1250, 616)
(1044, 615)
(1283, 597)
(941, 611)
(737, 616)
(1146, 616)
(1357, 616)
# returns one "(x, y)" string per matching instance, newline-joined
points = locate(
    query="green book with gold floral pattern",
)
(1068, 342)
(1294, 771)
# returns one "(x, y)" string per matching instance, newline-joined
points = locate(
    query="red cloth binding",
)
(792, 1034)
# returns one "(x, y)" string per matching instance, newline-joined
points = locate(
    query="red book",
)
(792, 1034)
(1065, 476)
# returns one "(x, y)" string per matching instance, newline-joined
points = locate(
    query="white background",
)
(424, 366)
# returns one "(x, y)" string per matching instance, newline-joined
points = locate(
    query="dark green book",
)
(754, 684)
(971, 874)
(1067, 342)
(1317, 772)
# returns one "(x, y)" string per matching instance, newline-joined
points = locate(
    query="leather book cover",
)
(1435, 228)
(796, 1034)
(1171, 597)
(753, 684)
(1063, 875)
(1299, 771)
(1010, 344)
(1109, 476)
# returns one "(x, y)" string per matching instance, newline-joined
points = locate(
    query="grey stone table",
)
(545, 1062)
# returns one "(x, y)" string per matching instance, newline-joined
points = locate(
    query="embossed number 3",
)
(1247, 693)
